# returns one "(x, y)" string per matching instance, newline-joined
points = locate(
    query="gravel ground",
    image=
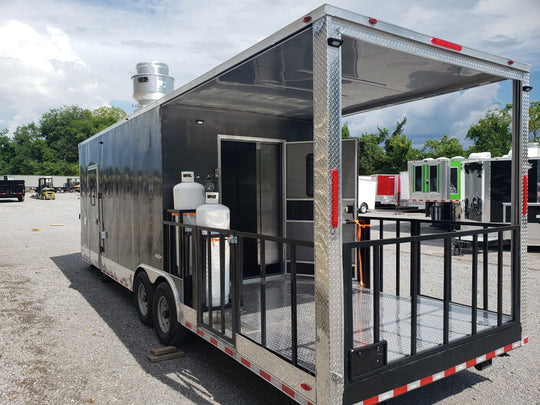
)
(68, 337)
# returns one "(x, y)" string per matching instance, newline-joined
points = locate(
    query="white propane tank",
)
(214, 215)
(188, 195)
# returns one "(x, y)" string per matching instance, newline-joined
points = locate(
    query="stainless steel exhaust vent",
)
(151, 82)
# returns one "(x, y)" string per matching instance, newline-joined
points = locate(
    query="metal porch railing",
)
(246, 310)
(411, 294)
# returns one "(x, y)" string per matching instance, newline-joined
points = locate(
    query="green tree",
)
(398, 150)
(345, 133)
(534, 121)
(444, 147)
(370, 154)
(493, 132)
(52, 146)
(6, 152)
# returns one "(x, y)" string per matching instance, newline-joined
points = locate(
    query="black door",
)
(251, 188)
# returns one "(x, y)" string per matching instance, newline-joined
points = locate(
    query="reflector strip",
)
(440, 375)
(217, 342)
(446, 44)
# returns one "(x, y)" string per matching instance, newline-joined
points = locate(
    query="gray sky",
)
(60, 52)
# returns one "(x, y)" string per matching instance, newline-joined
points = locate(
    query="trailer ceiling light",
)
(526, 89)
(335, 42)
(199, 122)
(373, 21)
(307, 19)
(446, 44)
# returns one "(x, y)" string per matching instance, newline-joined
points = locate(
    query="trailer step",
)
(165, 353)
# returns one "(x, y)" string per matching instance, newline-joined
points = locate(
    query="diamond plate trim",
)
(328, 264)
(526, 321)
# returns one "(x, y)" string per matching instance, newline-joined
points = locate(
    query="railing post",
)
(414, 291)
(500, 279)
(294, 315)
(486, 270)
(381, 254)
(263, 291)
(474, 287)
(376, 294)
(398, 264)
(222, 280)
(447, 287)
(208, 272)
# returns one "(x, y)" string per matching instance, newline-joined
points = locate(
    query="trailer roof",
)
(382, 65)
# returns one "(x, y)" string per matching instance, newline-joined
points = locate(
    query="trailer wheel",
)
(363, 208)
(169, 331)
(142, 289)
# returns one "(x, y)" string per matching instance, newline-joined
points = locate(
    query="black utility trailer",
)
(324, 317)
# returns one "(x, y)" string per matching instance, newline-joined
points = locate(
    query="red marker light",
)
(307, 19)
(305, 387)
(373, 21)
(335, 197)
(446, 44)
(510, 62)
(525, 193)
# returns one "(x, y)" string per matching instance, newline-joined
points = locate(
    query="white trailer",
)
(367, 189)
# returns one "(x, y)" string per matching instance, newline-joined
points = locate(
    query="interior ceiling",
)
(279, 81)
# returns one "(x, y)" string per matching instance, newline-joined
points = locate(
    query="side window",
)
(418, 178)
(453, 180)
(92, 190)
(433, 186)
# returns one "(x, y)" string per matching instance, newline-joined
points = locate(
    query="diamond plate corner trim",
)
(328, 261)
(526, 321)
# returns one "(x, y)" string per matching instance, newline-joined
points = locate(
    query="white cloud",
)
(64, 52)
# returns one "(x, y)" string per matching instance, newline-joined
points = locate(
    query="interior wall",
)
(189, 146)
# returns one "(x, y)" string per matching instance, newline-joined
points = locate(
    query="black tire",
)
(143, 296)
(363, 208)
(168, 330)
(21, 199)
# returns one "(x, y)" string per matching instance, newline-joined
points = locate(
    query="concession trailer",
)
(270, 269)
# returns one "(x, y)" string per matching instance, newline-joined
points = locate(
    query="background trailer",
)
(284, 290)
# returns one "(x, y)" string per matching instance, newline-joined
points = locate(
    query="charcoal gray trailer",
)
(310, 311)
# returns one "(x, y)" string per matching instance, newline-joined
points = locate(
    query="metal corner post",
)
(328, 240)
(520, 166)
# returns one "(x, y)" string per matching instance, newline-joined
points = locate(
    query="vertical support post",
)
(474, 292)
(239, 277)
(500, 279)
(485, 264)
(520, 135)
(209, 277)
(381, 254)
(415, 264)
(377, 259)
(294, 309)
(222, 280)
(263, 292)
(329, 316)
(398, 259)
(447, 288)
